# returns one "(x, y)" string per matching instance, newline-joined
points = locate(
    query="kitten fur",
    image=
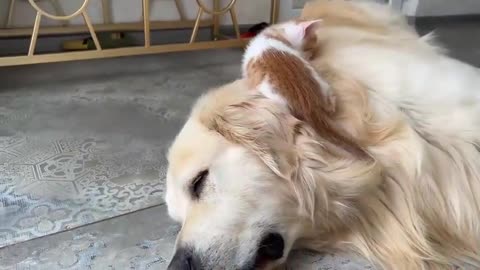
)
(275, 64)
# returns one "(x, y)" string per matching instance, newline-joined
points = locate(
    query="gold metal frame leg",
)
(274, 10)
(196, 26)
(216, 21)
(88, 22)
(146, 22)
(233, 14)
(33, 41)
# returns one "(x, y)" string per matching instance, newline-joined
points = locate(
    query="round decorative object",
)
(55, 17)
(215, 12)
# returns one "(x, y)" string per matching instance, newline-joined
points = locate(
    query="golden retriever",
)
(249, 182)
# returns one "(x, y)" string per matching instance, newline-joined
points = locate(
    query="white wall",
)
(248, 11)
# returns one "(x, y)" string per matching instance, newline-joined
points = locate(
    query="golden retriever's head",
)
(245, 181)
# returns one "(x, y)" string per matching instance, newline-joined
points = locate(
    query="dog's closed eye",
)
(198, 183)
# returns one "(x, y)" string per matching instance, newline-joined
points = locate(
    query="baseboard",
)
(447, 19)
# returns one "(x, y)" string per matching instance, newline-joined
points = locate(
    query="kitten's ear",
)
(308, 27)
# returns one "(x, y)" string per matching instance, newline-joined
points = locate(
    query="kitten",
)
(275, 64)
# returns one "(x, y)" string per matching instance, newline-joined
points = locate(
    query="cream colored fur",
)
(413, 204)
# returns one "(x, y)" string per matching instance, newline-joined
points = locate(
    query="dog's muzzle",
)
(270, 249)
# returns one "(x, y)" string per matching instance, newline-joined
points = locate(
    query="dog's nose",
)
(270, 249)
(184, 259)
(272, 246)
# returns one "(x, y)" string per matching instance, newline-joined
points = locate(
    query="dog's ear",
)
(291, 149)
(271, 131)
(260, 125)
(268, 130)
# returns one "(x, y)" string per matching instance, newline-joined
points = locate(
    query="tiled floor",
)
(82, 162)
(82, 142)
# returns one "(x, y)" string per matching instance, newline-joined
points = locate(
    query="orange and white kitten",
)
(276, 65)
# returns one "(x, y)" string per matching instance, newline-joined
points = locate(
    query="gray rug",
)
(83, 142)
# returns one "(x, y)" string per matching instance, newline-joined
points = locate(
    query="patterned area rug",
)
(47, 187)
(83, 142)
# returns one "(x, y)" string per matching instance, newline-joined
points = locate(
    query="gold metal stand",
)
(274, 10)
(146, 26)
